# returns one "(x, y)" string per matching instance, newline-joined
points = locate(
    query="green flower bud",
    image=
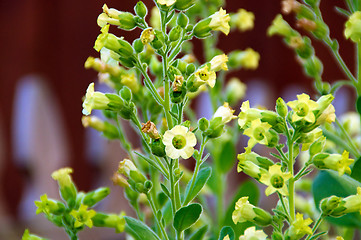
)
(305, 12)
(182, 20)
(317, 147)
(304, 48)
(140, 188)
(158, 148)
(175, 33)
(328, 205)
(203, 124)
(313, 67)
(281, 107)
(148, 185)
(131, 195)
(156, 44)
(182, 67)
(215, 128)
(189, 28)
(138, 45)
(93, 197)
(110, 220)
(126, 93)
(183, 5)
(28, 236)
(202, 28)
(190, 68)
(127, 21)
(178, 96)
(140, 9)
(321, 31)
(325, 88)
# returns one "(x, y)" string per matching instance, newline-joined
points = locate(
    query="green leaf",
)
(358, 105)
(187, 216)
(328, 183)
(227, 230)
(224, 154)
(250, 189)
(201, 180)
(165, 190)
(139, 230)
(356, 170)
(199, 235)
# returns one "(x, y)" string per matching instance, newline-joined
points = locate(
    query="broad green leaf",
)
(227, 230)
(224, 154)
(139, 230)
(356, 170)
(199, 235)
(247, 188)
(328, 183)
(201, 180)
(187, 216)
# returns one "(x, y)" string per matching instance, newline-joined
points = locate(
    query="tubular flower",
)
(226, 112)
(47, 206)
(179, 142)
(303, 108)
(258, 133)
(168, 3)
(63, 176)
(220, 21)
(353, 27)
(247, 115)
(249, 59)
(219, 62)
(337, 162)
(251, 234)
(244, 211)
(353, 202)
(327, 116)
(299, 227)
(279, 26)
(83, 216)
(244, 20)
(203, 75)
(275, 179)
(94, 100)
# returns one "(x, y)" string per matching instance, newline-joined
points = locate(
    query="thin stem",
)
(154, 210)
(339, 141)
(315, 226)
(220, 198)
(291, 182)
(283, 205)
(172, 190)
(348, 138)
(299, 174)
(149, 84)
(166, 103)
(123, 141)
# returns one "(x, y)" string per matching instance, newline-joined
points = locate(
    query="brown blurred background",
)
(44, 47)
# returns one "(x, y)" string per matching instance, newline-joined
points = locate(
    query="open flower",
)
(220, 21)
(275, 179)
(299, 227)
(83, 216)
(244, 211)
(247, 114)
(219, 62)
(179, 142)
(337, 162)
(258, 133)
(251, 234)
(352, 27)
(303, 108)
(226, 112)
(243, 19)
(204, 75)
(63, 176)
(94, 100)
(47, 206)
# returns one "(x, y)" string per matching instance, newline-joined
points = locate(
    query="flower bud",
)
(328, 205)
(190, 68)
(183, 5)
(138, 45)
(260, 161)
(215, 128)
(182, 20)
(202, 29)
(281, 107)
(93, 197)
(203, 124)
(225, 112)
(126, 93)
(110, 220)
(175, 33)
(313, 67)
(158, 148)
(249, 168)
(321, 31)
(140, 9)
(119, 180)
(126, 19)
(302, 46)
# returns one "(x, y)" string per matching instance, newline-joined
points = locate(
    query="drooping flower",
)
(204, 75)
(220, 21)
(276, 180)
(252, 234)
(353, 27)
(219, 62)
(94, 100)
(179, 142)
(83, 216)
(244, 211)
(244, 20)
(279, 26)
(168, 3)
(126, 166)
(303, 108)
(299, 227)
(226, 112)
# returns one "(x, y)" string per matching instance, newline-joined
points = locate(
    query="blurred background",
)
(42, 82)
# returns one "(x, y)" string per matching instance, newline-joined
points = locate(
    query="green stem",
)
(166, 103)
(196, 169)
(123, 141)
(299, 174)
(315, 226)
(177, 189)
(154, 210)
(339, 141)
(172, 189)
(149, 84)
(283, 205)
(348, 138)
(220, 198)
(291, 182)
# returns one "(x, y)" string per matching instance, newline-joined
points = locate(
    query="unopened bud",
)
(182, 20)
(93, 197)
(140, 9)
(203, 124)
(158, 148)
(281, 107)
(183, 5)
(202, 28)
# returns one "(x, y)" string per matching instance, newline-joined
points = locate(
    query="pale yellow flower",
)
(303, 108)
(226, 112)
(299, 227)
(353, 202)
(147, 36)
(279, 26)
(168, 3)
(250, 59)
(83, 216)
(220, 21)
(179, 142)
(276, 180)
(219, 62)
(244, 20)
(130, 80)
(258, 133)
(251, 234)
(327, 116)
(126, 166)
(353, 27)
(203, 75)
(94, 100)
(62, 175)
(337, 162)
(247, 114)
